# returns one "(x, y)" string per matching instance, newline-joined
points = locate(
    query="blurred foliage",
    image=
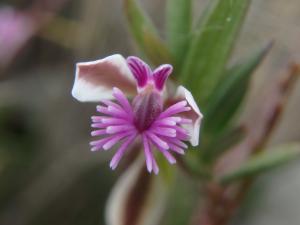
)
(201, 58)
(81, 203)
(230, 93)
(178, 29)
(18, 148)
(263, 162)
(145, 34)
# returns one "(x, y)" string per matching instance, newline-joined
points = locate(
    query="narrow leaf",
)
(267, 114)
(230, 93)
(222, 143)
(145, 34)
(263, 162)
(211, 46)
(179, 19)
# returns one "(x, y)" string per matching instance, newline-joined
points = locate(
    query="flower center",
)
(146, 106)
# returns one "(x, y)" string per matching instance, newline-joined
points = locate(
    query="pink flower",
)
(16, 28)
(149, 118)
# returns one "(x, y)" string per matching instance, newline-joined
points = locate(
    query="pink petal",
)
(194, 114)
(161, 74)
(95, 80)
(16, 28)
(140, 70)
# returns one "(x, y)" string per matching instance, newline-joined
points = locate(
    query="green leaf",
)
(211, 46)
(264, 162)
(145, 34)
(178, 26)
(222, 143)
(230, 92)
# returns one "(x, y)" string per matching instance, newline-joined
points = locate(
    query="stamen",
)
(148, 154)
(174, 109)
(118, 129)
(115, 139)
(98, 132)
(169, 132)
(117, 157)
(159, 142)
(121, 98)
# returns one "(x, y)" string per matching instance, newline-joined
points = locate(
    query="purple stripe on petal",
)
(140, 70)
(161, 74)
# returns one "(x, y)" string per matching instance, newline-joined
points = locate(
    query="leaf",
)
(267, 114)
(182, 197)
(230, 92)
(222, 143)
(179, 20)
(211, 46)
(145, 34)
(264, 162)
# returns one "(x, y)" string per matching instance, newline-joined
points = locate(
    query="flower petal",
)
(95, 80)
(195, 115)
(140, 70)
(138, 198)
(161, 74)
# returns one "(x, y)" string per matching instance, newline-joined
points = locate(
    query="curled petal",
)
(194, 114)
(95, 80)
(161, 74)
(138, 198)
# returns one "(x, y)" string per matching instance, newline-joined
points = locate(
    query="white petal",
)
(195, 115)
(152, 207)
(95, 80)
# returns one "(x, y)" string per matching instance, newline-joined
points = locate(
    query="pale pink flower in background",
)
(16, 28)
(152, 118)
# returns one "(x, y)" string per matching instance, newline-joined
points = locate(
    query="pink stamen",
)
(117, 157)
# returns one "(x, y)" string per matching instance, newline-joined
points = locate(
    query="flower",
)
(16, 28)
(153, 118)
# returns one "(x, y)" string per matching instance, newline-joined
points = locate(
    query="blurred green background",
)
(47, 173)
